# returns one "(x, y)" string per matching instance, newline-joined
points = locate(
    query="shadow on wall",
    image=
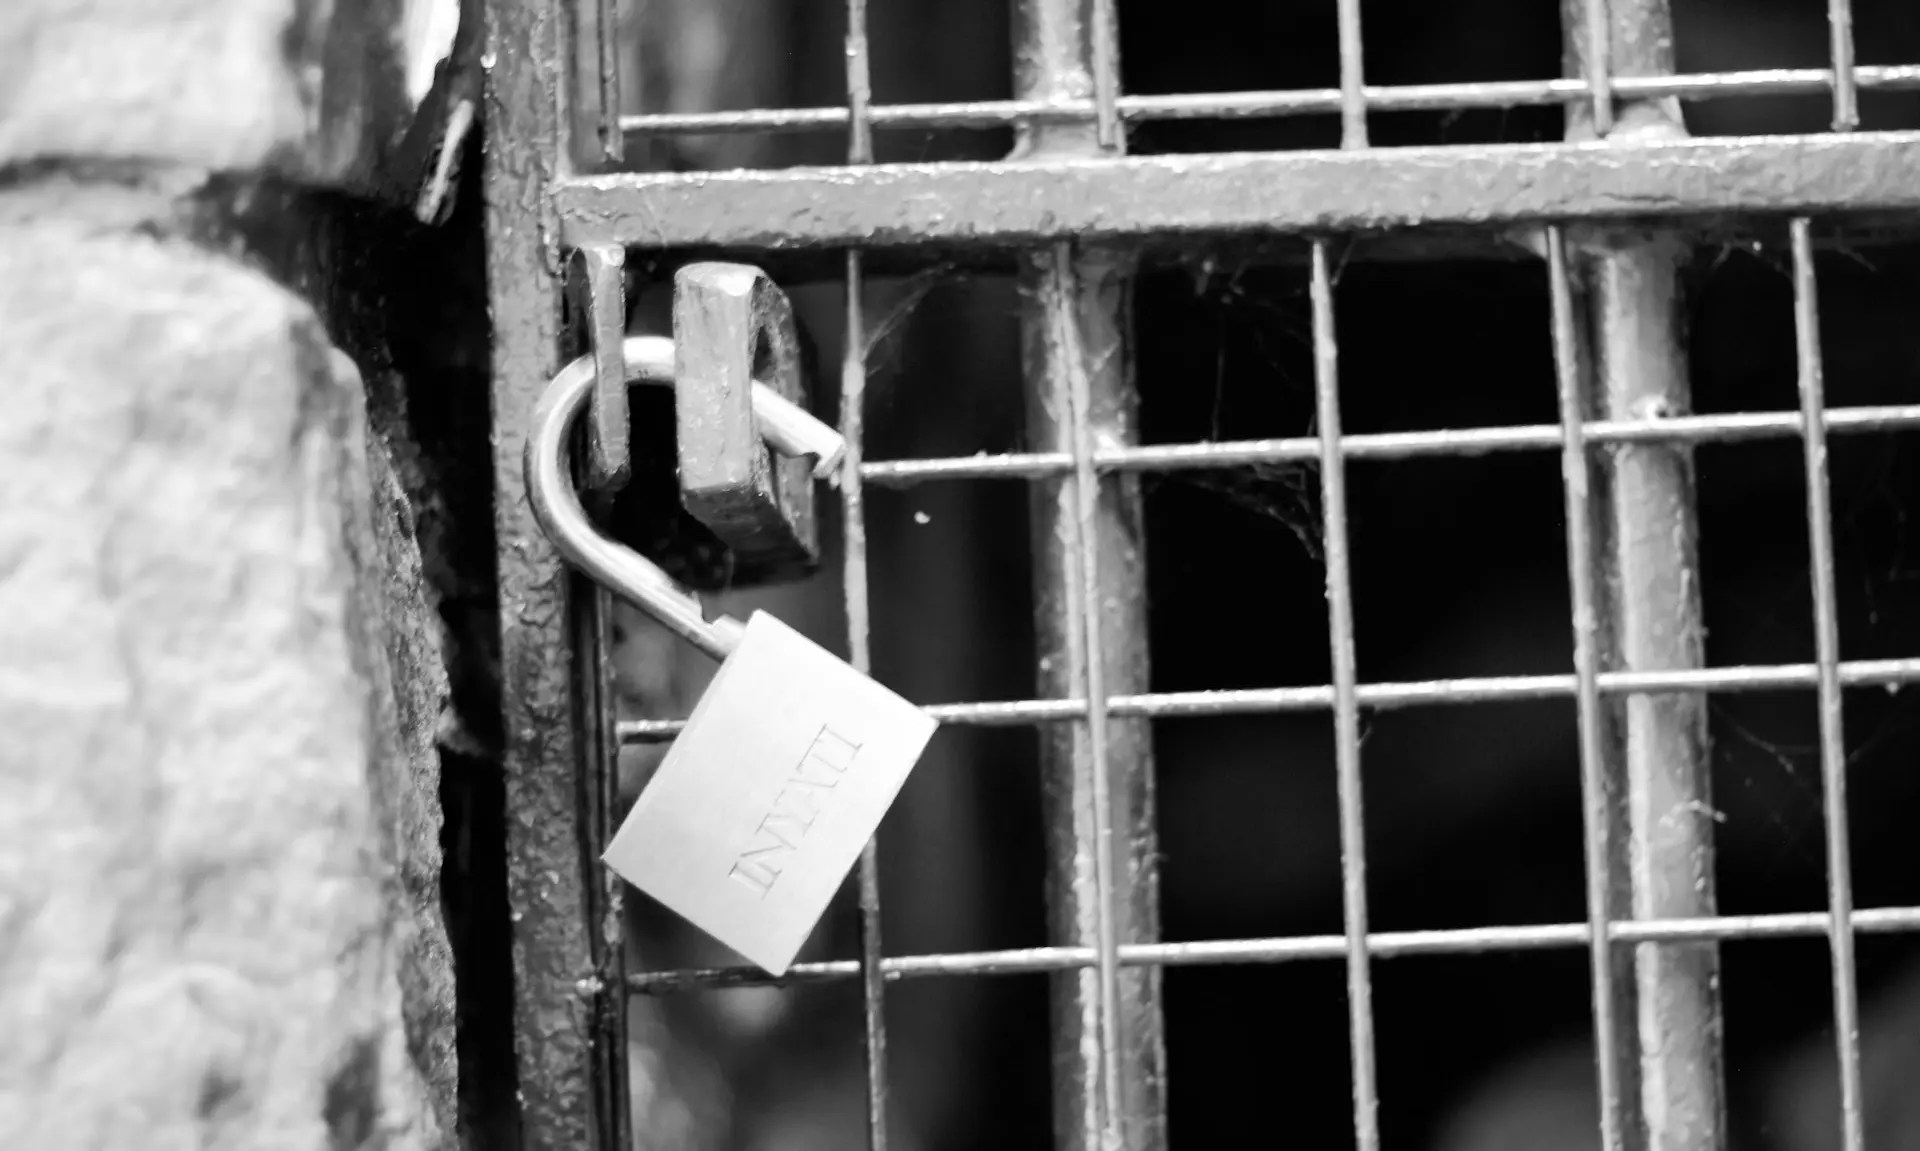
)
(1472, 813)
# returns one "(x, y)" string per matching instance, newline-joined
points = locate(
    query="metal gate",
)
(1610, 213)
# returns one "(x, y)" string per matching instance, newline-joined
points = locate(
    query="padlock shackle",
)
(788, 428)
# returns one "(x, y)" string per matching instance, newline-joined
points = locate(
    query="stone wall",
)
(223, 678)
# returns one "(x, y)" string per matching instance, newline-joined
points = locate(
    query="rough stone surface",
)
(319, 90)
(219, 852)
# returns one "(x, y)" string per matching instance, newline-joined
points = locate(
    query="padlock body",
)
(766, 798)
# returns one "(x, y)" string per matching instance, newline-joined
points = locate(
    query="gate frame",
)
(1596, 211)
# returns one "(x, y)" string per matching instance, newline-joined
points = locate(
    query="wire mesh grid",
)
(1067, 80)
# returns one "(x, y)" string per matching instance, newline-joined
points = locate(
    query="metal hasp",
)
(790, 432)
(733, 327)
(603, 278)
(1634, 564)
(1109, 1056)
(735, 336)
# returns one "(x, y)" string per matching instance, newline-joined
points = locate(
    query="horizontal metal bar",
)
(1383, 944)
(1737, 427)
(1270, 104)
(1886, 673)
(1030, 202)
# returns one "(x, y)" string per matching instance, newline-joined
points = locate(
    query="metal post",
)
(566, 1004)
(1654, 748)
(1090, 615)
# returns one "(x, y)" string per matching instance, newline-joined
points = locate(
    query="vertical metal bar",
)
(1109, 1062)
(1106, 76)
(1353, 94)
(1346, 707)
(1605, 39)
(853, 389)
(1090, 618)
(547, 843)
(1596, 807)
(1833, 750)
(1846, 95)
(853, 381)
(589, 94)
(612, 140)
(607, 991)
(1062, 49)
(1071, 391)
(1651, 598)
(859, 86)
(595, 325)
(1647, 602)
(1598, 64)
(609, 459)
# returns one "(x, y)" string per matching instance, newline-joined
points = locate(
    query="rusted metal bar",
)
(1270, 104)
(853, 391)
(1090, 619)
(1660, 750)
(1346, 707)
(1861, 233)
(1664, 1047)
(1042, 198)
(1102, 881)
(1292, 949)
(1106, 1100)
(560, 1039)
(1833, 744)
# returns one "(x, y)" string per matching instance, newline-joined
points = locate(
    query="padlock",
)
(791, 757)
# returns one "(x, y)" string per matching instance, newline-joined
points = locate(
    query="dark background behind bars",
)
(1473, 814)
